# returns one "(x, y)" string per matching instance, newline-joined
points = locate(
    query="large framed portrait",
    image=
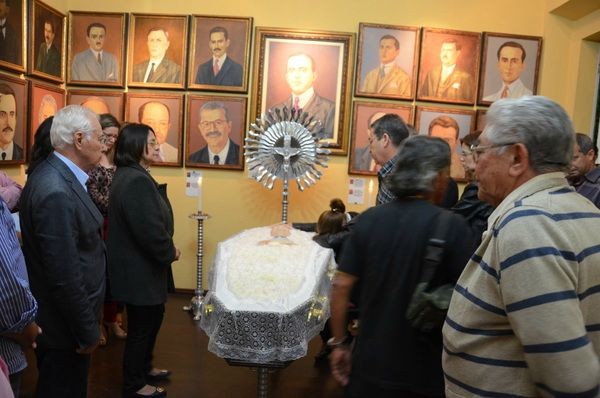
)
(449, 124)
(220, 53)
(164, 113)
(510, 66)
(13, 36)
(387, 61)
(366, 113)
(308, 70)
(47, 45)
(157, 50)
(215, 132)
(44, 101)
(13, 102)
(96, 48)
(98, 101)
(449, 67)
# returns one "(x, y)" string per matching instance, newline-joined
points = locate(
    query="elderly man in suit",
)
(158, 116)
(215, 128)
(95, 64)
(9, 41)
(159, 68)
(9, 150)
(65, 253)
(220, 70)
(48, 57)
(388, 78)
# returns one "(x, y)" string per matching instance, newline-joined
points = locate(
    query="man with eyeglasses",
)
(523, 320)
(215, 127)
(158, 116)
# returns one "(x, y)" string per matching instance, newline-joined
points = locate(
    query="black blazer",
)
(230, 73)
(233, 154)
(65, 255)
(140, 245)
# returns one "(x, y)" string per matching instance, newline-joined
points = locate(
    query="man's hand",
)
(26, 338)
(177, 253)
(340, 361)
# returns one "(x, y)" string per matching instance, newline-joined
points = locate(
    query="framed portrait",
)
(480, 119)
(510, 66)
(364, 114)
(387, 61)
(215, 129)
(13, 36)
(96, 48)
(220, 53)
(13, 139)
(308, 70)
(47, 42)
(44, 101)
(449, 124)
(449, 67)
(157, 50)
(98, 101)
(164, 113)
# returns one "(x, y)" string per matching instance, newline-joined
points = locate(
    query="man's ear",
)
(78, 138)
(519, 160)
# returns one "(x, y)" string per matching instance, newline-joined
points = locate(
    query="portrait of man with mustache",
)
(215, 128)
(9, 150)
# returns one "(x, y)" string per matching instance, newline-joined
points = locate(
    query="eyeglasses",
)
(477, 149)
(219, 123)
(153, 143)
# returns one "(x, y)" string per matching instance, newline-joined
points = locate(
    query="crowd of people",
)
(517, 249)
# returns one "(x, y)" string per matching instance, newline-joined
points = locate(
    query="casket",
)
(268, 296)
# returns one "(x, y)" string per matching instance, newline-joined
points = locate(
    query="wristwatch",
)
(333, 343)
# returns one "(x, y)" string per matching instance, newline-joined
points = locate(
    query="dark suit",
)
(233, 154)
(17, 152)
(321, 109)
(65, 256)
(166, 72)
(9, 47)
(230, 73)
(457, 86)
(48, 60)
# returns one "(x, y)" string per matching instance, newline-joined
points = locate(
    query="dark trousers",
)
(143, 324)
(358, 388)
(61, 373)
(15, 382)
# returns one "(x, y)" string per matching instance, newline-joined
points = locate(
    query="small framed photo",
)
(157, 50)
(98, 101)
(13, 36)
(308, 70)
(387, 61)
(47, 45)
(44, 101)
(215, 132)
(366, 113)
(96, 48)
(450, 125)
(13, 102)
(449, 66)
(220, 53)
(164, 113)
(510, 66)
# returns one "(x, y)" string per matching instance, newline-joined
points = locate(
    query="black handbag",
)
(428, 305)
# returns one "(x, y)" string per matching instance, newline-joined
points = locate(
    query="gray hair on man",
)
(540, 124)
(68, 121)
(420, 159)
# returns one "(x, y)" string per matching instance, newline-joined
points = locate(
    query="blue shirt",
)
(17, 305)
(81, 175)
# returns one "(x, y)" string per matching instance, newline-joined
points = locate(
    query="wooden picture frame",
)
(396, 47)
(13, 101)
(480, 119)
(13, 53)
(167, 36)
(443, 122)
(212, 37)
(98, 101)
(365, 113)
(47, 45)
(511, 61)
(459, 52)
(164, 113)
(44, 101)
(331, 56)
(222, 120)
(97, 48)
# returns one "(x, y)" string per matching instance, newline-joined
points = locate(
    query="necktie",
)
(216, 159)
(216, 68)
(381, 72)
(99, 58)
(151, 73)
(504, 93)
(296, 103)
(3, 155)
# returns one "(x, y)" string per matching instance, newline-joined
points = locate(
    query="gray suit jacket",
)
(321, 109)
(65, 255)
(166, 72)
(86, 67)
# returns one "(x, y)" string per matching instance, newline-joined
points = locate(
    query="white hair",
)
(68, 121)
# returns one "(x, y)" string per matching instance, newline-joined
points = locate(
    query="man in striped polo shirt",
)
(524, 317)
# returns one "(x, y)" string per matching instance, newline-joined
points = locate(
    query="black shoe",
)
(158, 393)
(161, 375)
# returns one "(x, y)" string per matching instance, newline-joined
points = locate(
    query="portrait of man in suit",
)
(9, 40)
(362, 160)
(9, 150)
(158, 116)
(94, 63)
(388, 77)
(511, 64)
(220, 70)
(301, 72)
(215, 127)
(158, 68)
(446, 128)
(48, 56)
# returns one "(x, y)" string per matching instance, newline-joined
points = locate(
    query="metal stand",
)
(262, 370)
(198, 300)
(284, 202)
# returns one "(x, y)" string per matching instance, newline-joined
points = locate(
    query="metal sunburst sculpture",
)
(282, 145)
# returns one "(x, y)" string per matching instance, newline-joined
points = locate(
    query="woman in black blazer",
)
(140, 252)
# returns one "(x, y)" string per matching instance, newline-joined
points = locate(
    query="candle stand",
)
(197, 300)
